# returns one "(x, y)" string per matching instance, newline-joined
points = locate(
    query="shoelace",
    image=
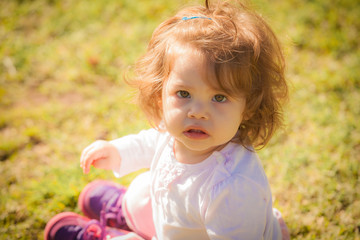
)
(115, 213)
(94, 229)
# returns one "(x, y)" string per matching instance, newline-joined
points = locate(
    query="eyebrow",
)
(180, 84)
(176, 85)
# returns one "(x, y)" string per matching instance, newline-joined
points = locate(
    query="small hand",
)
(100, 154)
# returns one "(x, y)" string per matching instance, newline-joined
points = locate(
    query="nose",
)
(198, 110)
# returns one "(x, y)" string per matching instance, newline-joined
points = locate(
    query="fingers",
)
(91, 154)
(84, 154)
(84, 159)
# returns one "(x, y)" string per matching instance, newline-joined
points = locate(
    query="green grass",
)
(61, 87)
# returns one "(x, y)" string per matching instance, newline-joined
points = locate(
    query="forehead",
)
(188, 62)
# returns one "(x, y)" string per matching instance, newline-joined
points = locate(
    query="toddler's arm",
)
(123, 155)
(100, 154)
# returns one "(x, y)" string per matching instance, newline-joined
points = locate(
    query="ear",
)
(159, 105)
(160, 102)
(247, 115)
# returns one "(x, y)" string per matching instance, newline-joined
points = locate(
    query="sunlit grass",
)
(62, 65)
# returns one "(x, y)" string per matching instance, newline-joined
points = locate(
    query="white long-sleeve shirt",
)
(226, 196)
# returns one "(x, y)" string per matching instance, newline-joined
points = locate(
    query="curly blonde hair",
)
(246, 56)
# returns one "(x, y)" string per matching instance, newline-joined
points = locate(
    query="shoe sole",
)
(51, 225)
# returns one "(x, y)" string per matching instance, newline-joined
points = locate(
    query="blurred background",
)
(62, 65)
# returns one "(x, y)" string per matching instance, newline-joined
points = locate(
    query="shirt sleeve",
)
(236, 210)
(136, 150)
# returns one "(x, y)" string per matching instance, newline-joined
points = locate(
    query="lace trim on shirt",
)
(169, 170)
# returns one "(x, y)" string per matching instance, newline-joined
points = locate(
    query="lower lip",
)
(196, 135)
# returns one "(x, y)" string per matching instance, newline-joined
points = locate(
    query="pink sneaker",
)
(106, 195)
(71, 226)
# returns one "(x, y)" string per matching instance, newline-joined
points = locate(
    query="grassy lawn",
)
(62, 65)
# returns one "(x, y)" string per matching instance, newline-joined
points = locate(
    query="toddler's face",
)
(200, 118)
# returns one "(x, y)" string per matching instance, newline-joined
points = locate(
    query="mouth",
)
(196, 133)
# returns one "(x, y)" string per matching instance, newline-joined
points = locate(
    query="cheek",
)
(231, 117)
(173, 103)
(171, 108)
(238, 118)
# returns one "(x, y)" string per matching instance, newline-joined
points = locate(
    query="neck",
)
(189, 156)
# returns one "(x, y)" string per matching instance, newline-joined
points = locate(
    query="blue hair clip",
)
(188, 18)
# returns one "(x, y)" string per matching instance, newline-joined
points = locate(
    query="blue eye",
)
(219, 98)
(183, 94)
